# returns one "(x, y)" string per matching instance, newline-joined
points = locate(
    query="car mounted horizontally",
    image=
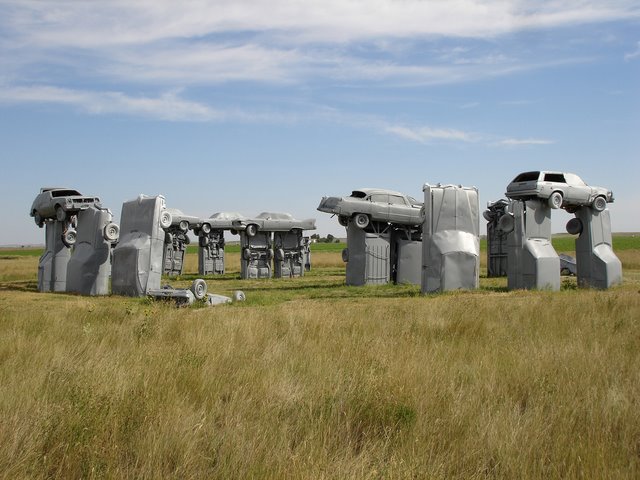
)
(367, 205)
(561, 190)
(272, 222)
(59, 203)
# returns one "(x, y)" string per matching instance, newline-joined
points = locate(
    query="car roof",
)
(369, 191)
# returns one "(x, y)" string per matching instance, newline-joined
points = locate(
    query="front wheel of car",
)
(555, 200)
(251, 230)
(111, 232)
(199, 288)
(69, 238)
(165, 219)
(361, 220)
(61, 215)
(38, 219)
(599, 204)
(343, 220)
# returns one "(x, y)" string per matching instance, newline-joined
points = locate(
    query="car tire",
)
(206, 228)
(111, 232)
(69, 238)
(38, 219)
(361, 220)
(184, 226)
(246, 253)
(61, 215)
(199, 288)
(345, 255)
(574, 226)
(251, 230)
(187, 240)
(203, 241)
(269, 254)
(599, 204)
(343, 220)
(168, 238)
(555, 200)
(233, 231)
(280, 254)
(165, 219)
(506, 223)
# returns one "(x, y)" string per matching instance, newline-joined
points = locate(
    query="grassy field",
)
(310, 378)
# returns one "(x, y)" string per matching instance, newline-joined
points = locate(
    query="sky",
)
(251, 105)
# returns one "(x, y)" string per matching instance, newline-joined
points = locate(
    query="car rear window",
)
(554, 177)
(64, 193)
(527, 177)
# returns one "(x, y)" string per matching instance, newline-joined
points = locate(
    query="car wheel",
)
(269, 254)
(343, 220)
(69, 238)
(111, 232)
(345, 255)
(487, 215)
(187, 240)
(203, 241)
(555, 200)
(61, 215)
(251, 230)
(38, 219)
(233, 231)
(199, 288)
(165, 219)
(184, 226)
(599, 204)
(361, 220)
(506, 223)
(206, 228)
(246, 254)
(168, 238)
(574, 226)
(280, 254)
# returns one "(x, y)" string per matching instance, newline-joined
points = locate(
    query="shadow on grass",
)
(19, 286)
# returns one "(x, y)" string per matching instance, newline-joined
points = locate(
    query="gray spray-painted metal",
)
(598, 266)
(89, 268)
(450, 238)
(176, 241)
(273, 222)
(567, 264)
(289, 256)
(181, 296)
(137, 259)
(211, 241)
(211, 253)
(215, 299)
(256, 253)
(533, 263)
(497, 255)
(306, 248)
(408, 261)
(52, 266)
(368, 257)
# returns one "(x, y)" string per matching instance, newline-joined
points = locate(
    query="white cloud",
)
(519, 142)
(167, 106)
(634, 54)
(428, 134)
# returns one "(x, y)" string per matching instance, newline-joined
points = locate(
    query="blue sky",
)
(249, 105)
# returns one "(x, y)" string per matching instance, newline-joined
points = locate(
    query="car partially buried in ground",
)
(561, 190)
(373, 204)
(59, 203)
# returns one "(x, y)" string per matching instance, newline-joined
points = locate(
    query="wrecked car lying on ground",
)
(373, 204)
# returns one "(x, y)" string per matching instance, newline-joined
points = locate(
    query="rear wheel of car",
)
(168, 238)
(345, 255)
(206, 228)
(184, 226)
(233, 231)
(246, 254)
(61, 215)
(599, 204)
(111, 232)
(343, 220)
(280, 254)
(251, 230)
(203, 240)
(555, 200)
(574, 226)
(361, 220)
(38, 219)
(165, 219)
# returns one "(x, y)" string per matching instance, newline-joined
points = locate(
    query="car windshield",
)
(527, 177)
(573, 179)
(64, 193)
(413, 201)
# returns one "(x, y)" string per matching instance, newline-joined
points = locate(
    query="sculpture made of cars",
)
(59, 203)
(561, 190)
(176, 239)
(210, 232)
(367, 205)
(272, 222)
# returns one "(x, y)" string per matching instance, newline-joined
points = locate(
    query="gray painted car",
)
(373, 204)
(272, 222)
(218, 221)
(58, 203)
(566, 190)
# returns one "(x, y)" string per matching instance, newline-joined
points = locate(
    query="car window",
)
(358, 194)
(396, 200)
(413, 201)
(64, 193)
(379, 197)
(554, 177)
(573, 179)
(527, 177)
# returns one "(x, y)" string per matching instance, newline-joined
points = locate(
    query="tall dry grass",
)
(485, 384)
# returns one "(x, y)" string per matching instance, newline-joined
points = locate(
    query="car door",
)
(399, 211)
(379, 206)
(578, 191)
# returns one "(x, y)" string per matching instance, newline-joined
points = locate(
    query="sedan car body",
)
(273, 222)
(55, 202)
(375, 204)
(565, 190)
